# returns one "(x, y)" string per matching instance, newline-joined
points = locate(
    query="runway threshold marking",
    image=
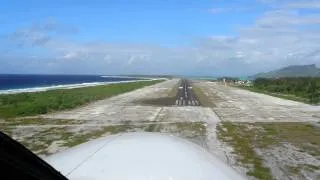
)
(186, 95)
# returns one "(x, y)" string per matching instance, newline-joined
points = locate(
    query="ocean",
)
(31, 83)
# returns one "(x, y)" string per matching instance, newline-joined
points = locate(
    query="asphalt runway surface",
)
(186, 95)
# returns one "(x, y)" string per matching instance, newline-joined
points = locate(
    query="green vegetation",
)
(304, 89)
(79, 138)
(292, 71)
(196, 128)
(203, 98)
(38, 121)
(294, 170)
(242, 139)
(152, 128)
(40, 139)
(312, 167)
(304, 136)
(297, 169)
(246, 137)
(72, 139)
(26, 104)
(174, 91)
(191, 130)
(7, 129)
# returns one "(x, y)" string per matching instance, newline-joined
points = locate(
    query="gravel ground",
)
(285, 160)
(127, 112)
(233, 104)
(122, 107)
(126, 108)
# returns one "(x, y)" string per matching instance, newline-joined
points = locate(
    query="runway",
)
(186, 95)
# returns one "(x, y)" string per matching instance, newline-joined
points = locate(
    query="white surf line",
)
(67, 86)
(137, 77)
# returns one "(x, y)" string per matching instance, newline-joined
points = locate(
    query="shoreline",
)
(68, 86)
(30, 104)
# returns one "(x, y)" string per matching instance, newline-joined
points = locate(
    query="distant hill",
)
(292, 71)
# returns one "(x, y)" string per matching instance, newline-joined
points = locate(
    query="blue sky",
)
(204, 37)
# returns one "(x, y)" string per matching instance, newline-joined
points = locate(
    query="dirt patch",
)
(238, 105)
(165, 101)
(274, 150)
(46, 140)
(190, 130)
(168, 100)
(203, 97)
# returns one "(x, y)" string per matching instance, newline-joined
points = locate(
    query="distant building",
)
(244, 82)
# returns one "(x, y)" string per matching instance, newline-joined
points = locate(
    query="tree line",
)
(304, 87)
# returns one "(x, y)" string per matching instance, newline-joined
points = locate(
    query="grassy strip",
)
(304, 136)
(279, 95)
(41, 138)
(40, 141)
(38, 121)
(193, 128)
(245, 137)
(243, 144)
(169, 100)
(174, 91)
(26, 104)
(203, 98)
(197, 129)
(81, 138)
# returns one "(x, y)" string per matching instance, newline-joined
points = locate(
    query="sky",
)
(179, 37)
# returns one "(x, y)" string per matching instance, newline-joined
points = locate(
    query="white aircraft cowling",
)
(140, 156)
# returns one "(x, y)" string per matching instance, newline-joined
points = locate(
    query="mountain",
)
(292, 71)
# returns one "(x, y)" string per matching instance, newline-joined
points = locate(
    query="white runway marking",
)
(186, 95)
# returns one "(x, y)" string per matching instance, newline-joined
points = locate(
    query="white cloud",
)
(306, 4)
(277, 38)
(39, 34)
(70, 55)
(292, 4)
(283, 18)
(236, 9)
(219, 10)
